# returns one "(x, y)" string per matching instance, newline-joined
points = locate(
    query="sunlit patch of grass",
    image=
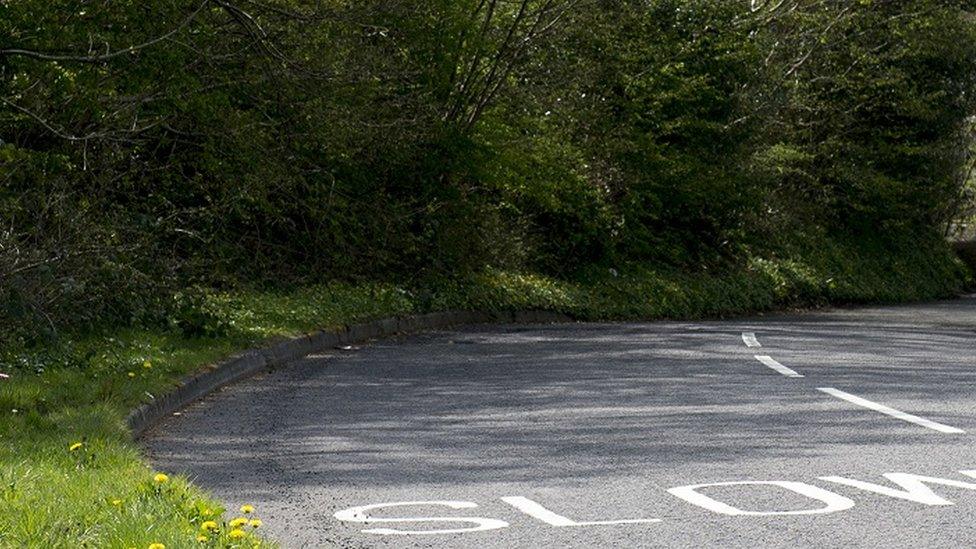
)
(71, 478)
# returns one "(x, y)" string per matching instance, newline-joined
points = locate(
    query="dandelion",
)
(156, 546)
(202, 538)
(75, 446)
(247, 508)
(238, 522)
(255, 523)
(160, 478)
(147, 365)
(208, 526)
(236, 534)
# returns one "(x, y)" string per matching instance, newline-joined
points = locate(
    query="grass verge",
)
(71, 477)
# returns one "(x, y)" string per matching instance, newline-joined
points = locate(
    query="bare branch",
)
(106, 56)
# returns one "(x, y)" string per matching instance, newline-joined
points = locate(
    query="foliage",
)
(878, 97)
(156, 147)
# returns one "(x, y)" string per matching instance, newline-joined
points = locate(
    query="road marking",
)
(537, 511)
(907, 486)
(769, 361)
(361, 514)
(750, 340)
(913, 487)
(890, 411)
(832, 502)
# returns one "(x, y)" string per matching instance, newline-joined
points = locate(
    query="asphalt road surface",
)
(853, 428)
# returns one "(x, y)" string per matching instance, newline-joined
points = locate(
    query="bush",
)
(378, 142)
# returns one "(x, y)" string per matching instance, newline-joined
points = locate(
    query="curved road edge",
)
(248, 363)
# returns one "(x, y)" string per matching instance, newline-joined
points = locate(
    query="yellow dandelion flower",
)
(160, 478)
(75, 446)
(146, 364)
(209, 526)
(236, 534)
(255, 523)
(202, 538)
(156, 546)
(238, 522)
(247, 508)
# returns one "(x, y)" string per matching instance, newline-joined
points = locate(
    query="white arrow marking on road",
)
(853, 399)
(750, 340)
(769, 361)
(535, 510)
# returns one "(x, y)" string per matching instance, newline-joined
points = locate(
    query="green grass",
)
(103, 494)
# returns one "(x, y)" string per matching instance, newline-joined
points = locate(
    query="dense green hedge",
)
(853, 273)
(154, 147)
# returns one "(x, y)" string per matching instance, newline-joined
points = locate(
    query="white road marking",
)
(853, 399)
(537, 511)
(832, 502)
(910, 487)
(913, 487)
(750, 340)
(361, 514)
(769, 361)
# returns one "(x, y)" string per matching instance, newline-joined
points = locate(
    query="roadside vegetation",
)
(183, 179)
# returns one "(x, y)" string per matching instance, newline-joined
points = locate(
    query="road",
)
(852, 428)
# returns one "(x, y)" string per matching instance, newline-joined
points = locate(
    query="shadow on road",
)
(556, 404)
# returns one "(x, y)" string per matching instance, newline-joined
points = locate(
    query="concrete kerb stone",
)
(288, 350)
(252, 362)
(363, 332)
(388, 326)
(502, 316)
(194, 388)
(323, 340)
(415, 323)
